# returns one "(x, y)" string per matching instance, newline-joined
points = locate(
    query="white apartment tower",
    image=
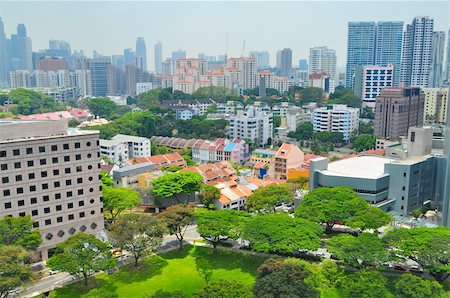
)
(254, 125)
(338, 118)
(51, 173)
(121, 148)
(246, 68)
(370, 80)
(323, 59)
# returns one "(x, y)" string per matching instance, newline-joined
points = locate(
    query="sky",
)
(202, 26)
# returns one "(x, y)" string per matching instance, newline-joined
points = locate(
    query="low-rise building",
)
(339, 118)
(162, 160)
(254, 125)
(121, 148)
(205, 151)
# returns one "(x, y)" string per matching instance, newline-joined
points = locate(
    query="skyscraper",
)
(323, 59)
(21, 55)
(447, 64)
(158, 57)
(388, 48)
(4, 65)
(303, 64)
(285, 61)
(360, 48)
(262, 59)
(416, 55)
(99, 69)
(180, 54)
(437, 58)
(141, 54)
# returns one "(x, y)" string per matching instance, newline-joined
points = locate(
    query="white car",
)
(415, 268)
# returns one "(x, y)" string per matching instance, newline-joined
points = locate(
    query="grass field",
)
(177, 270)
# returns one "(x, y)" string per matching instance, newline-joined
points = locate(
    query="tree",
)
(315, 147)
(276, 121)
(101, 293)
(212, 109)
(411, 286)
(224, 289)
(138, 233)
(13, 271)
(331, 205)
(366, 128)
(416, 213)
(116, 200)
(360, 252)
(221, 225)
(285, 278)
(177, 219)
(175, 184)
(428, 246)
(280, 233)
(304, 131)
(265, 199)
(311, 94)
(102, 107)
(370, 218)
(19, 231)
(364, 142)
(106, 178)
(364, 284)
(82, 254)
(367, 113)
(166, 294)
(209, 193)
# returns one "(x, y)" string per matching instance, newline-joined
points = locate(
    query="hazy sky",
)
(109, 27)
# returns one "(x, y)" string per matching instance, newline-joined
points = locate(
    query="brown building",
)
(48, 63)
(398, 109)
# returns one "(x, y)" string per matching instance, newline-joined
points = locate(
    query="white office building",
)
(338, 118)
(436, 102)
(323, 59)
(121, 148)
(143, 87)
(252, 124)
(295, 116)
(370, 80)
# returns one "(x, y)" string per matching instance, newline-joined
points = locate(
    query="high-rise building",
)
(337, 118)
(254, 125)
(303, 64)
(158, 58)
(360, 48)
(129, 57)
(370, 80)
(416, 54)
(180, 54)
(4, 63)
(21, 54)
(396, 110)
(436, 103)
(246, 71)
(323, 59)
(118, 61)
(447, 63)
(284, 62)
(437, 58)
(141, 54)
(51, 64)
(262, 59)
(61, 188)
(444, 172)
(99, 69)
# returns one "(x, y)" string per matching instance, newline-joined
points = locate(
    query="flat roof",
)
(370, 167)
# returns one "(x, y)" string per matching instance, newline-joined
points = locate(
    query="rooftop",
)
(370, 167)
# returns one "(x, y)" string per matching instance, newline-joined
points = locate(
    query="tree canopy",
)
(19, 231)
(209, 193)
(117, 200)
(138, 233)
(102, 107)
(364, 142)
(175, 184)
(177, 218)
(360, 252)
(411, 286)
(224, 289)
(429, 246)
(13, 271)
(280, 233)
(31, 102)
(304, 131)
(285, 278)
(265, 199)
(364, 284)
(220, 225)
(82, 254)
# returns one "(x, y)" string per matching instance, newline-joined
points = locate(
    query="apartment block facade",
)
(121, 148)
(370, 80)
(253, 124)
(52, 174)
(336, 118)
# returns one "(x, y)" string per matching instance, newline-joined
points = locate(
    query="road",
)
(51, 282)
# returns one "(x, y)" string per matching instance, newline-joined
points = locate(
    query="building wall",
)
(436, 102)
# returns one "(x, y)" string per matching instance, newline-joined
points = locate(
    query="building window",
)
(71, 217)
(56, 184)
(30, 163)
(48, 222)
(6, 192)
(78, 157)
(92, 212)
(80, 203)
(413, 136)
(58, 207)
(3, 153)
(57, 196)
(55, 160)
(21, 203)
(45, 186)
(59, 219)
(46, 210)
(82, 214)
(34, 213)
(29, 150)
(43, 162)
(46, 198)
(4, 167)
(5, 179)
(67, 170)
(79, 169)
(32, 188)
(42, 149)
(19, 190)
(44, 174)
(8, 205)
(79, 180)
(67, 158)
(88, 144)
(66, 146)
(55, 172)
(54, 147)
(33, 200)
(16, 152)
(69, 194)
(18, 178)
(31, 176)
(80, 192)
(68, 182)
(36, 224)
(89, 155)
(77, 145)
(17, 165)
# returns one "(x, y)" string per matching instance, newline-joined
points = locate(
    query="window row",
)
(43, 149)
(71, 231)
(43, 161)
(60, 219)
(44, 174)
(45, 186)
(46, 210)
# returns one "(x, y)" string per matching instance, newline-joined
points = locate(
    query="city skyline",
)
(186, 22)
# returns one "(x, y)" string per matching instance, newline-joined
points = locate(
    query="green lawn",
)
(177, 270)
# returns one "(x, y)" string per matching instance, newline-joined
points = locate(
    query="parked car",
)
(415, 268)
(399, 267)
(53, 272)
(387, 265)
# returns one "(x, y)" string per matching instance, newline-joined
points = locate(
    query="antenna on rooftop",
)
(243, 49)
